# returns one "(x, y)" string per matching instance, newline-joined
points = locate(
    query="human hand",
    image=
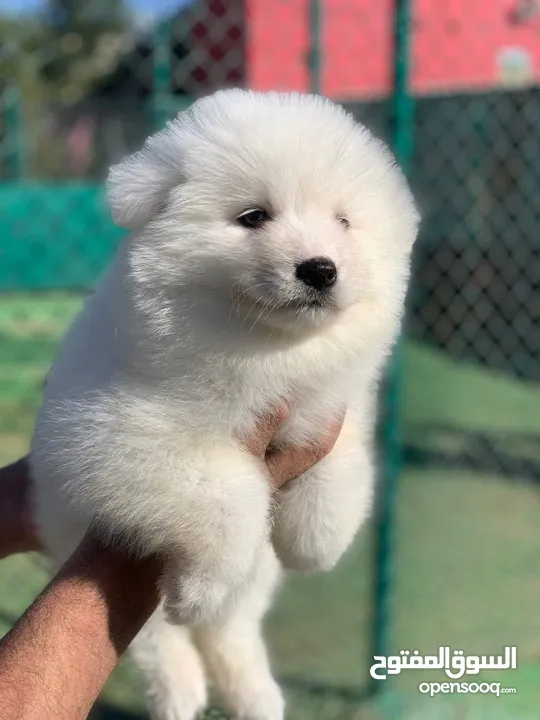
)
(17, 532)
(288, 463)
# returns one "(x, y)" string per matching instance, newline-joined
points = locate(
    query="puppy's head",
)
(278, 206)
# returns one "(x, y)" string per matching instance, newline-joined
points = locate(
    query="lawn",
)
(467, 544)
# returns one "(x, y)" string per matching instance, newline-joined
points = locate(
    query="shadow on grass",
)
(102, 711)
(322, 689)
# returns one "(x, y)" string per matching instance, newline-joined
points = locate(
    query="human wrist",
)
(126, 586)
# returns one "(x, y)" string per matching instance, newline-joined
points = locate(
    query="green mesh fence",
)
(451, 557)
(466, 531)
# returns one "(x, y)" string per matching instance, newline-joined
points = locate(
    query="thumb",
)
(265, 429)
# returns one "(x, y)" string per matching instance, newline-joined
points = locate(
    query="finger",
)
(333, 430)
(17, 471)
(265, 430)
(17, 532)
(287, 464)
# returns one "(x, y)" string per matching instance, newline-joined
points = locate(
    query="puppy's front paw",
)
(264, 702)
(306, 552)
(307, 536)
(193, 599)
(319, 514)
(179, 701)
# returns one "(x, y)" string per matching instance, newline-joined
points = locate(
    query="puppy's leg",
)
(320, 512)
(176, 684)
(235, 653)
(197, 499)
(222, 522)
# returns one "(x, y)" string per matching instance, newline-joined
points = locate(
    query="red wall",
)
(277, 38)
(456, 45)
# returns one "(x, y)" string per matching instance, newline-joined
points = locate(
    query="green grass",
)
(29, 333)
(449, 406)
(437, 390)
(467, 545)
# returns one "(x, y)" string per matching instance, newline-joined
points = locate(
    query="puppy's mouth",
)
(267, 302)
(298, 309)
(286, 305)
(313, 300)
(319, 301)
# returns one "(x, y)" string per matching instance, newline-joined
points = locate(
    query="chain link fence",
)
(82, 85)
(477, 273)
(466, 535)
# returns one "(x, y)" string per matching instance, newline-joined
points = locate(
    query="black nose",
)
(319, 273)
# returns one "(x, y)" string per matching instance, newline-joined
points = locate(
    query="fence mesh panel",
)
(466, 532)
(83, 84)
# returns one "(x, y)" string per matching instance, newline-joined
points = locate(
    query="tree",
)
(84, 41)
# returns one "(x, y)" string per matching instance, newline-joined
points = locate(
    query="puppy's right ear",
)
(136, 189)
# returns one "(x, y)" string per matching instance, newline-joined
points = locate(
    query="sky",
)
(140, 7)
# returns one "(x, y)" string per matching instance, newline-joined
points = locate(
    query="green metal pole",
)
(162, 86)
(403, 135)
(315, 54)
(403, 98)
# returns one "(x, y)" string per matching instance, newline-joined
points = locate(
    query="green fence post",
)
(403, 133)
(162, 87)
(315, 51)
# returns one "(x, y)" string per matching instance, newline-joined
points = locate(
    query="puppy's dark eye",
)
(253, 218)
(344, 221)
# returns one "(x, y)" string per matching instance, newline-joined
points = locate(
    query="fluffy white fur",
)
(200, 325)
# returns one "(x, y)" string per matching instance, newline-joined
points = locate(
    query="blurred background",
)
(453, 553)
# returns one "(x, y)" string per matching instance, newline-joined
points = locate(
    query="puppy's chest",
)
(314, 391)
(289, 376)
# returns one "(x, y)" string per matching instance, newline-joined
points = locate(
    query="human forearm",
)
(56, 659)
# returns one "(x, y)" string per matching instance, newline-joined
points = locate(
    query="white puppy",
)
(269, 260)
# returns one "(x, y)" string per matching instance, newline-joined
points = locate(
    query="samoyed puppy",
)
(268, 260)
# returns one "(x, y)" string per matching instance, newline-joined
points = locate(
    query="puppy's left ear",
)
(135, 190)
(138, 187)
